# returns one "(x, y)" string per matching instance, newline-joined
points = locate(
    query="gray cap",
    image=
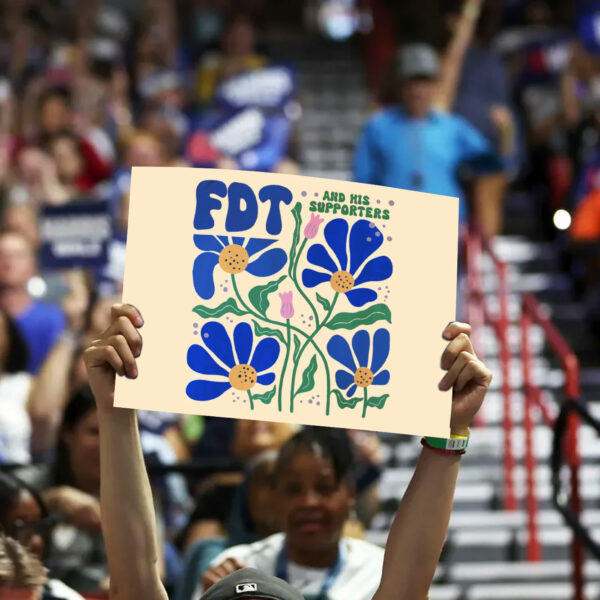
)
(417, 60)
(251, 584)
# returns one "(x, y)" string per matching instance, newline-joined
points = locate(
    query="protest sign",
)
(289, 298)
(75, 235)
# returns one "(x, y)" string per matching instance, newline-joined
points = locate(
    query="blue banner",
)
(253, 138)
(268, 88)
(588, 26)
(75, 235)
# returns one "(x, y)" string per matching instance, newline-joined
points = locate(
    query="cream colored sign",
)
(289, 298)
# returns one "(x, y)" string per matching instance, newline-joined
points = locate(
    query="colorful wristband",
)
(454, 443)
(439, 450)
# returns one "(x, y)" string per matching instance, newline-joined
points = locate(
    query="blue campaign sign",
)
(588, 26)
(269, 88)
(75, 235)
(256, 140)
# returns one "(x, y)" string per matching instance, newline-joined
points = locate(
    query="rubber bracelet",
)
(425, 444)
(455, 442)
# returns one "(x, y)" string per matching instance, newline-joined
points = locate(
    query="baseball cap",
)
(417, 60)
(251, 583)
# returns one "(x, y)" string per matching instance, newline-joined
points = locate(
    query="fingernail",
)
(446, 335)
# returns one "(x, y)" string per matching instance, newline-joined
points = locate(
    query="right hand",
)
(79, 508)
(113, 352)
(218, 572)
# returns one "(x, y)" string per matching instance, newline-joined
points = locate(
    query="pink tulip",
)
(312, 227)
(287, 308)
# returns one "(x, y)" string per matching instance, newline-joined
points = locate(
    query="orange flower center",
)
(233, 259)
(363, 377)
(242, 377)
(342, 281)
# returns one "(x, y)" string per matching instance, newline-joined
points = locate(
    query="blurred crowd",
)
(499, 97)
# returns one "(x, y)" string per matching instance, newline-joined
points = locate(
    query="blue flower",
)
(358, 373)
(345, 274)
(239, 371)
(233, 257)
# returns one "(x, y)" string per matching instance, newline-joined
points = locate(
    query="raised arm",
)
(127, 512)
(419, 529)
(454, 54)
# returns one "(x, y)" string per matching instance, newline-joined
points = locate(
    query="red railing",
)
(531, 313)
(478, 315)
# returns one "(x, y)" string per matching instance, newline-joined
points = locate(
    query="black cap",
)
(251, 583)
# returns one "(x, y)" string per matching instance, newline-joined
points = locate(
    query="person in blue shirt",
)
(412, 145)
(39, 323)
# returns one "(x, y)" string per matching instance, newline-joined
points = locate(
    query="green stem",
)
(310, 339)
(294, 278)
(364, 403)
(285, 361)
(251, 399)
(292, 327)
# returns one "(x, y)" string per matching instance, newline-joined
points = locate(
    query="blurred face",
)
(417, 95)
(84, 451)
(23, 220)
(144, 151)
(239, 39)
(17, 264)
(313, 506)
(55, 115)
(24, 523)
(254, 437)
(69, 164)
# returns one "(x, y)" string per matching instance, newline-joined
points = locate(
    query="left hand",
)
(501, 118)
(468, 377)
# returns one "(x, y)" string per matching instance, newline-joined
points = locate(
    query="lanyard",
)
(416, 150)
(332, 574)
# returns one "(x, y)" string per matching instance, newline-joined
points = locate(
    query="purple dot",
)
(310, 401)
(378, 233)
(371, 225)
(195, 324)
(195, 333)
(378, 288)
(225, 289)
(300, 401)
(316, 193)
(378, 201)
(391, 203)
(244, 401)
(368, 239)
(310, 318)
(389, 238)
(234, 399)
(304, 193)
(318, 404)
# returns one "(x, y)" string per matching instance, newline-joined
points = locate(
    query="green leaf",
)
(377, 401)
(296, 237)
(308, 377)
(324, 302)
(377, 312)
(229, 306)
(267, 396)
(267, 331)
(259, 295)
(296, 347)
(344, 402)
